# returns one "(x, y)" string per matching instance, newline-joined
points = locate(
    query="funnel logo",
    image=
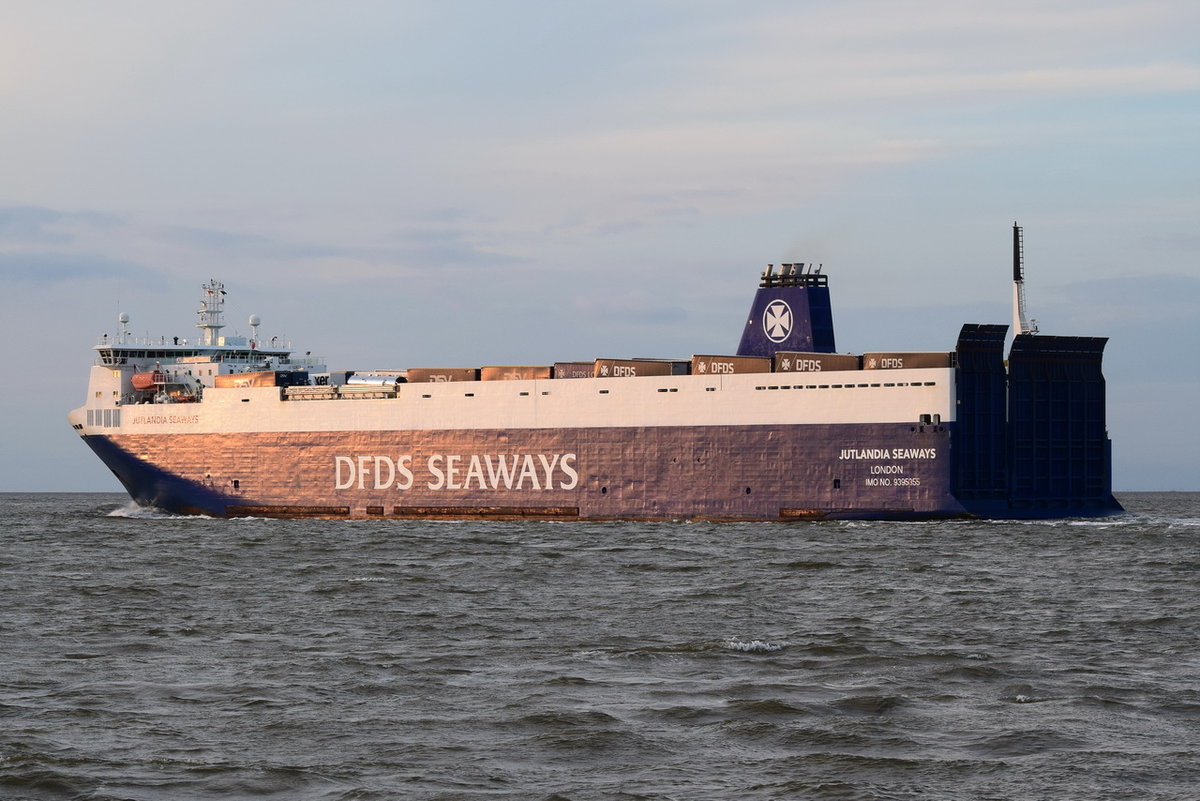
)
(777, 321)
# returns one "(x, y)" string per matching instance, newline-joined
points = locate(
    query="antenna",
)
(1021, 324)
(212, 301)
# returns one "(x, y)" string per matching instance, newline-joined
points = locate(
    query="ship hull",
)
(764, 472)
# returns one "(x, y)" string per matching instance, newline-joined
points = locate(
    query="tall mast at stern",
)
(1021, 323)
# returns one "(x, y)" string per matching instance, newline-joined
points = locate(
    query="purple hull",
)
(661, 473)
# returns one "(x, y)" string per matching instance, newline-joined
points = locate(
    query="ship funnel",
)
(791, 312)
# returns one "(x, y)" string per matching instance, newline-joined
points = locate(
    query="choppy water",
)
(150, 657)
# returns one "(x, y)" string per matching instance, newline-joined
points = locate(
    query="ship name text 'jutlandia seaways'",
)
(785, 429)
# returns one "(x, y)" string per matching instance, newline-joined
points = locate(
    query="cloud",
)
(410, 244)
(44, 246)
(623, 179)
(26, 221)
(47, 246)
(36, 224)
(757, 110)
(50, 268)
(861, 60)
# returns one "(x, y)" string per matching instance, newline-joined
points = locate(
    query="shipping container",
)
(727, 365)
(900, 361)
(678, 366)
(266, 379)
(427, 375)
(626, 368)
(574, 369)
(366, 379)
(262, 378)
(515, 373)
(798, 362)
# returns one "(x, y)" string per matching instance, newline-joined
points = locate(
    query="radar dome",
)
(123, 318)
(255, 320)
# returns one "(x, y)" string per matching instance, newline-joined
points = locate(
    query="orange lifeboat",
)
(145, 381)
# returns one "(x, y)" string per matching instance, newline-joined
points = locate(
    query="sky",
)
(468, 182)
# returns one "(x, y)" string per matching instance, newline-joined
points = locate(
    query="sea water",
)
(146, 656)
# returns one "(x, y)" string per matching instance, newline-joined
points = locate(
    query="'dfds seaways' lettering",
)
(457, 471)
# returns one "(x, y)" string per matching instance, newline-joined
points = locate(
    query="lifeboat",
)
(150, 380)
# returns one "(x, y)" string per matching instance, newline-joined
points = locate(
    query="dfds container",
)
(900, 361)
(799, 362)
(574, 369)
(515, 373)
(428, 375)
(629, 368)
(728, 365)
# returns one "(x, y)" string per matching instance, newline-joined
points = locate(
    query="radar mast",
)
(212, 303)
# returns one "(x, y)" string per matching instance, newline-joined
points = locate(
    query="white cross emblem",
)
(777, 321)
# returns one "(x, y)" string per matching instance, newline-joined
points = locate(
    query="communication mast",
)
(1021, 323)
(212, 303)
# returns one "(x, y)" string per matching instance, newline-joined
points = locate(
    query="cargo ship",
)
(785, 428)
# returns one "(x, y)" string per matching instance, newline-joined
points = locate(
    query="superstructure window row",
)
(848, 386)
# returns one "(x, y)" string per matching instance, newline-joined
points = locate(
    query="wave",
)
(135, 511)
(754, 646)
